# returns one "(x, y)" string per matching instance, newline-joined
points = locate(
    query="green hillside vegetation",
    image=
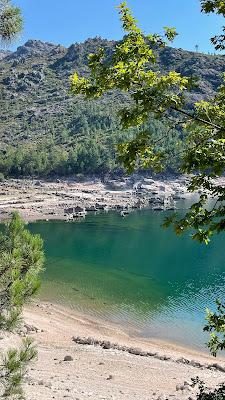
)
(45, 131)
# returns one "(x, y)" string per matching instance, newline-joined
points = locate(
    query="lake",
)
(134, 273)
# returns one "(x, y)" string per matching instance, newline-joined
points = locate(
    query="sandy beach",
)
(67, 369)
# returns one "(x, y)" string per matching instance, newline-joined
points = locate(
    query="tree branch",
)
(195, 118)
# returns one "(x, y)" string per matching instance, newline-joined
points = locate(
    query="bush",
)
(206, 394)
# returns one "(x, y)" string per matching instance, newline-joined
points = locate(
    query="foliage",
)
(208, 394)
(14, 368)
(152, 93)
(39, 118)
(21, 258)
(205, 154)
(215, 6)
(11, 22)
(94, 154)
(128, 70)
(216, 327)
(21, 261)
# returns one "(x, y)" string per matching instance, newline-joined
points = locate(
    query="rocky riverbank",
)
(64, 199)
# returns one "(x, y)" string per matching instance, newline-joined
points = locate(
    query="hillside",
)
(44, 129)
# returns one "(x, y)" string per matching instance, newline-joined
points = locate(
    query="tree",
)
(11, 21)
(216, 327)
(153, 94)
(132, 69)
(21, 261)
(14, 368)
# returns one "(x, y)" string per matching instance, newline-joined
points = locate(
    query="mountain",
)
(39, 112)
(4, 53)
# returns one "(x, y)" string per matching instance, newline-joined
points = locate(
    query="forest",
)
(46, 131)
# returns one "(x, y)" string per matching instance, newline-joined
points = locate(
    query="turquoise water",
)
(134, 273)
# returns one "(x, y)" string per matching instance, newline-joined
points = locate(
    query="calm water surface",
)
(134, 273)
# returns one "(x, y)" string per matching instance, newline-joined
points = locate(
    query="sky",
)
(69, 21)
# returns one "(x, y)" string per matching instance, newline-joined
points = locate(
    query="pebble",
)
(68, 358)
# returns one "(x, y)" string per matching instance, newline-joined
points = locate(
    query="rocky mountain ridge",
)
(37, 74)
(36, 104)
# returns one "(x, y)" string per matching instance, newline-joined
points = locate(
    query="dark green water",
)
(134, 273)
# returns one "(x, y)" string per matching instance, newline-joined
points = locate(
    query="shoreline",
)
(107, 372)
(68, 199)
(125, 330)
(101, 370)
(62, 199)
(82, 357)
(101, 329)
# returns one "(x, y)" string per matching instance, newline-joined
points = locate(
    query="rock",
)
(68, 358)
(150, 354)
(134, 351)
(106, 345)
(143, 353)
(183, 387)
(115, 185)
(183, 360)
(109, 378)
(37, 183)
(91, 208)
(30, 328)
(217, 366)
(164, 358)
(195, 364)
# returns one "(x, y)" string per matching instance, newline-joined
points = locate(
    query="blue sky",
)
(70, 21)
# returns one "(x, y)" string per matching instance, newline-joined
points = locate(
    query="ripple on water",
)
(133, 273)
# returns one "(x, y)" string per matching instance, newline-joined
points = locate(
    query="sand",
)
(97, 373)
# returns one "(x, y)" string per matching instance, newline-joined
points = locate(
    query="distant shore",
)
(63, 199)
(66, 367)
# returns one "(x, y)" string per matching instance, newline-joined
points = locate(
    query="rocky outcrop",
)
(4, 54)
(35, 49)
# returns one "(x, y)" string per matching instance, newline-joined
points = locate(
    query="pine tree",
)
(21, 261)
